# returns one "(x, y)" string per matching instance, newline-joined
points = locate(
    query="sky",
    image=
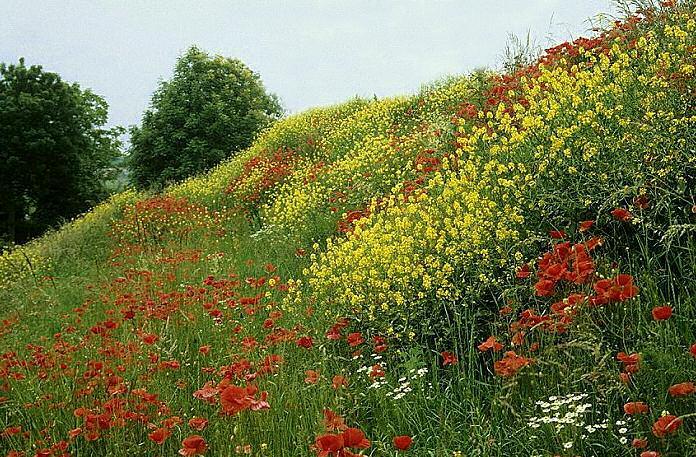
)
(310, 53)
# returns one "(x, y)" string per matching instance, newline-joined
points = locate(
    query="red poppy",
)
(666, 425)
(305, 342)
(639, 443)
(544, 287)
(311, 377)
(693, 349)
(333, 422)
(635, 407)
(402, 442)
(205, 349)
(618, 289)
(355, 438)
(557, 234)
(193, 445)
(234, 399)
(376, 371)
(355, 339)
(198, 423)
(621, 214)
(329, 445)
(160, 435)
(510, 364)
(380, 344)
(628, 359)
(650, 454)
(682, 389)
(661, 313)
(336, 445)
(339, 381)
(149, 338)
(449, 358)
(585, 226)
(490, 344)
(505, 310)
(524, 271)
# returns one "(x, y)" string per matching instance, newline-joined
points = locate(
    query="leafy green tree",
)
(211, 108)
(55, 154)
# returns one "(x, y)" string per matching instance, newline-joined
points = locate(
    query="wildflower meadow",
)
(498, 265)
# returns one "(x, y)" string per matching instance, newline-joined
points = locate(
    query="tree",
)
(54, 153)
(211, 108)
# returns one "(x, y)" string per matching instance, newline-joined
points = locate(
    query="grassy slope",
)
(409, 216)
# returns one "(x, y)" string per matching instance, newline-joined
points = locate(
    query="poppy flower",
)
(693, 349)
(329, 445)
(339, 381)
(557, 234)
(160, 435)
(376, 371)
(523, 272)
(234, 399)
(650, 454)
(505, 310)
(333, 422)
(402, 442)
(193, 445)
(544, 287)
(635, 407)
(355, 438)
(666, 425)
(305, 342)
(336, 445)
(639, 443)
(380, 344)
(198, 423)
(311, 377)
(490, 344)
(205, 349)
(510, 364)
(149, 338)
(355, 339)
(661, 313)
(621, 214)
(449, 358)
(682, 389)
(628, 359)
(585, 226)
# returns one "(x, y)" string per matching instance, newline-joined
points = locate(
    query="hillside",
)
(498, 265)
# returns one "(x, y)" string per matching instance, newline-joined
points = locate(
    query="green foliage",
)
(212, 108)
(54, 151)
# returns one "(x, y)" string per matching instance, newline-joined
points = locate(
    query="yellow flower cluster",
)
(559, 142)
(35, 259)
(303, 133)
(367, 155)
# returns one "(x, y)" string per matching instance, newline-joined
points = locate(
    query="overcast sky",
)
(310, 53)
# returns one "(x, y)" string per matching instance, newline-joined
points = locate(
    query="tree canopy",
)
(55, 152)
(211, 108)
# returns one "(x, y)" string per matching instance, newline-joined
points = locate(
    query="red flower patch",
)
(666, 425)
(402, 442)
(193, 445)
(661, 313)
(682, 389)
